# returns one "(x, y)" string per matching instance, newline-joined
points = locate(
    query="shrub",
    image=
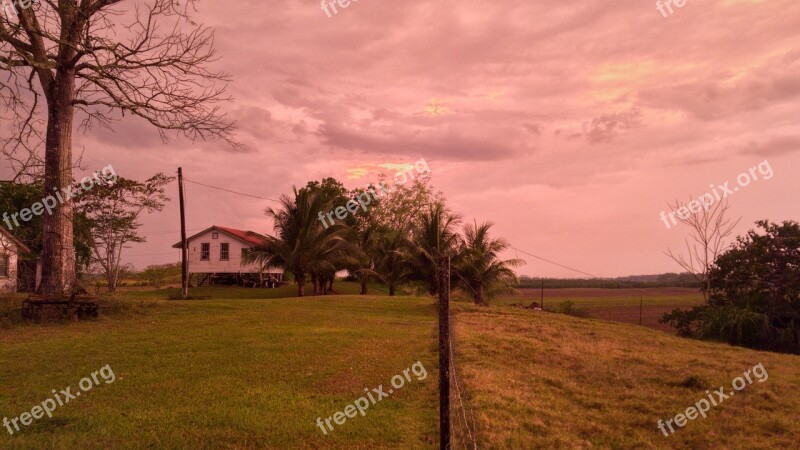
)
(683, 321)
(568, 307)
(754, 296)
(10, 307)
(156, 275)
(735, 326)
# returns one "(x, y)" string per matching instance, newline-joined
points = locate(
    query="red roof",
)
(248, 237)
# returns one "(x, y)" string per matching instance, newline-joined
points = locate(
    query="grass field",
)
(227, 374)
(236, 292)
(248, 373)
(618, 305)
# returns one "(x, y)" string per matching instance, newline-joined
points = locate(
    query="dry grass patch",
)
(541, 380)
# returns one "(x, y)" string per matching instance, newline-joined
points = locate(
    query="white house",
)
(10, 249)
(215, 255)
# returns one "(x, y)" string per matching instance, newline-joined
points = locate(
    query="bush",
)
(157, 275)
(682, 321)
(568, 307)
(754, 293)
(734, 326)
(10, 309)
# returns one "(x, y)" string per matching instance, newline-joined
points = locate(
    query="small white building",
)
(216, 256)
(10, 249)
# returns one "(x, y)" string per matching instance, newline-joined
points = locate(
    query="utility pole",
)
(184, 249)
(444, 353)
(542, 293)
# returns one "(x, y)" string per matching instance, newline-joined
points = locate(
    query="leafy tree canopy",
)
(755, 292)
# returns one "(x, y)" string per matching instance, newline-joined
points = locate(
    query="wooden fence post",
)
(444, 353)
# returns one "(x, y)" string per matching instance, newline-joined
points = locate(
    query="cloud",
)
(438, 144)
(777, 146)
(549, 118)
(728, 93)
(605, 127)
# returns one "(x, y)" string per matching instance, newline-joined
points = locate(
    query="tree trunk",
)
(315, 283)
(480, 296)
(391, 289)
(300, 278)
(58, 252)
(433, 288)
(114, 265)
(330, 290)
(363, 287)
(324, 282)
(112, 282)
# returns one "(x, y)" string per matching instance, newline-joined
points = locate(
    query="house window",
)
(3, 266)
(205, 251)
(224, 251)
(215, 235)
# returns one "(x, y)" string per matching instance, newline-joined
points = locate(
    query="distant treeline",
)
(634, 281)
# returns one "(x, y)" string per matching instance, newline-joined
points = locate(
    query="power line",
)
(230, 191)
(553, 262)
(168, 231)
(150, 233)
(151, 254)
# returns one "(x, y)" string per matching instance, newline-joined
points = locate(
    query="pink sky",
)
(569, 124)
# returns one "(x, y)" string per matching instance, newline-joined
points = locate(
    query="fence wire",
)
(464, 423)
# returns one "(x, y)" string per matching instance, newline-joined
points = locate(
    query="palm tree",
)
(478, 266)
(392, 255)
(361, 261)
(435, 237)
(303, 245)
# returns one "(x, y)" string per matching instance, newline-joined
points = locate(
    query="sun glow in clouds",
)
(437, 107)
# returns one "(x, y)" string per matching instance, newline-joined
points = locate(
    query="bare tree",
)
(710, 227)
(102, 60)
(112, 210)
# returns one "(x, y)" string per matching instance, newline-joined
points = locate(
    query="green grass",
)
(239, 293)
(227, 374)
